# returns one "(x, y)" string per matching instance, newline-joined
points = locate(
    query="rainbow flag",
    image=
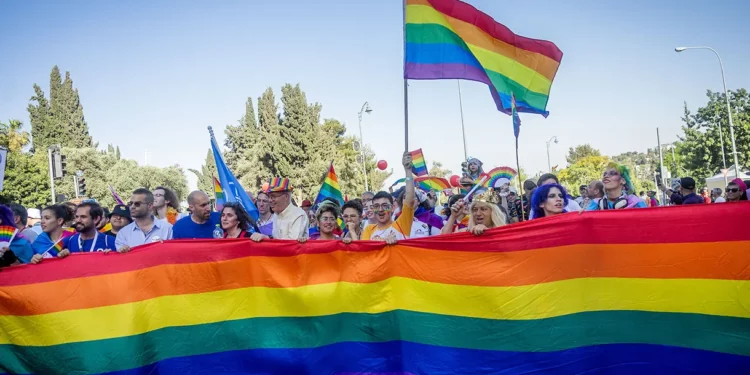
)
(499, 176)
(428, 183)
(115, 196)
(330, 188)
(7, 233)
(630, 295)
(418, 167)
(450, 39)
(219, 193)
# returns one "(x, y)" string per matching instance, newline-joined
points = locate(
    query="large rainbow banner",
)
(614, 292)
(450, 39)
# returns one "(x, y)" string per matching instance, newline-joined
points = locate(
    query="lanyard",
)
(93, 244)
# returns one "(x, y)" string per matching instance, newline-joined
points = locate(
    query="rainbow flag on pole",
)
(219, 194)
(330, 188)
(631, 296)
(450, 39)
(418, 167)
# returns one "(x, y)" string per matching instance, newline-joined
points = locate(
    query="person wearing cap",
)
(686, 194)
(736, 191)
(118, 219)
(306, 205)
(619, 192)
(290, 222)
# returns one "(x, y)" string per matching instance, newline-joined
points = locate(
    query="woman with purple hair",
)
(19, 250)
(549, 200)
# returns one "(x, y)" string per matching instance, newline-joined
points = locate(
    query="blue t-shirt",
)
(22, 248)
(103, 242)
(186, 228)
(44, 245)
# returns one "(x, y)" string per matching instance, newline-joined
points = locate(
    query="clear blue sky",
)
(153, 75)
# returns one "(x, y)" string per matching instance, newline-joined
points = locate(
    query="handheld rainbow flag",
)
(330, 188)
(7, 234)
(500, 176)
(418, 167)
(449, 39)
(115, 195)
(525, 298)
(219, 194)
(429, 183)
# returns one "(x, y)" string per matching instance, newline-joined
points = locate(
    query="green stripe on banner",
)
(706, 332)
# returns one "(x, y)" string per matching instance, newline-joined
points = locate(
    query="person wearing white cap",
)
(35, 220)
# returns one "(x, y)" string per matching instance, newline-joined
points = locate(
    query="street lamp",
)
(549, 165)
(365, 109)
(729, 110)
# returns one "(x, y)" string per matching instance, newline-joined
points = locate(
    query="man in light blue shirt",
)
(145, 228)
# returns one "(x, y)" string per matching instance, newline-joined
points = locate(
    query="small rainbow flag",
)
(418, 167)
(7, 233)
(500, 176)
(450, 39)
(219, 193)
(429, 183)
(330, 188)
(55, 249)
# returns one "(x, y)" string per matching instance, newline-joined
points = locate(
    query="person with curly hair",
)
(619, 192)
(549, 200)
(166, 205)
(483, 215)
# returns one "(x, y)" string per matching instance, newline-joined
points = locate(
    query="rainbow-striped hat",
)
(278, 184)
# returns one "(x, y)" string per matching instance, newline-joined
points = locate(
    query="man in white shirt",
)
(290, 222)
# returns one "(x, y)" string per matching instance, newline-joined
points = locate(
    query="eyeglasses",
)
(732, 190)
(274, 197)
(327, 219)
(136, 204)
(381, 207)
(347, 217)
(611, 173)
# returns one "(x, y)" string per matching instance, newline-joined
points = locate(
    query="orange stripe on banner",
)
(714, 260)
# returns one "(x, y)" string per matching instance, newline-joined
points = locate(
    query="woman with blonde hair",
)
(483, 215)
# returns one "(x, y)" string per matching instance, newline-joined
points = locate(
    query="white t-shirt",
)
(420, 229)
(720, 200)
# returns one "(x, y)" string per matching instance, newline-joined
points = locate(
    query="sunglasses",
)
(732, 190)
(381, 207)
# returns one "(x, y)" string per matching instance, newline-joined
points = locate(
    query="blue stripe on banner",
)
(406, 357)
(439, 54)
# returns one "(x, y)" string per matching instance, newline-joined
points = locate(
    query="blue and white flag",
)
(233, 191)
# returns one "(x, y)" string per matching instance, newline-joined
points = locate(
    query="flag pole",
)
(516, 132)
(520, 184)
(406, 89)
(463, 129)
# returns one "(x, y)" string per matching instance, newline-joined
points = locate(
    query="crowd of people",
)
(154, 215)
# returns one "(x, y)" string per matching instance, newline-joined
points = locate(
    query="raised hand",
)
(406, 160)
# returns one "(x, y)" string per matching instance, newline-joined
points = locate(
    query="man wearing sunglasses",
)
(145, 228)
(382, 208)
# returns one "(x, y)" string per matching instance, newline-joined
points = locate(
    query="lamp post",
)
(365, 109)
(729, 109)
(549, 165)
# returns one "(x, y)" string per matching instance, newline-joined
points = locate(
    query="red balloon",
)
(265, 186)
(455, 181)
(382, 165)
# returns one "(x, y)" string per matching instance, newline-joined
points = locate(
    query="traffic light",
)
(63, 164)
(82, 187)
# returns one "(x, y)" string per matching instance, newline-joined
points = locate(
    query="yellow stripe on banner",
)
(506, 64)
(714, 297)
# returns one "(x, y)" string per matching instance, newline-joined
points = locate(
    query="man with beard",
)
(88, 238)
(201, 223)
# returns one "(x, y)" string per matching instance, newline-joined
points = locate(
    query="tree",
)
(242, 139)
(26, 179)
(580, 152)
(12, 136)
(700, 143)
(437, 170)
(207, 173)
(59, 120)
(256, 165)
(582, 172)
